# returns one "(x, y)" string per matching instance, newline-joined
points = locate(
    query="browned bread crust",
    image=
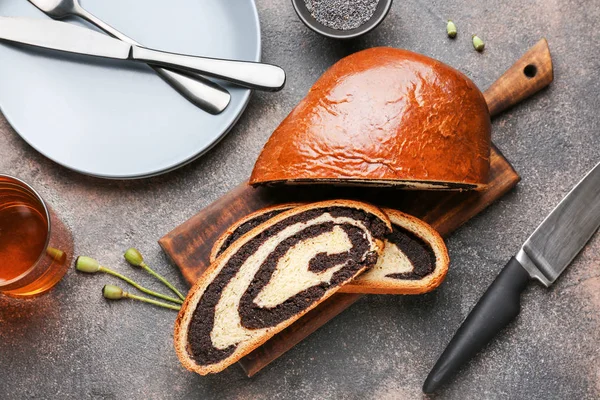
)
(383, 116)
(184, 318)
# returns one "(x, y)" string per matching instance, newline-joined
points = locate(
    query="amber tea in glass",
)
(35, 246)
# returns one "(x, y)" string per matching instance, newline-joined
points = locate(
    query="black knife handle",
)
(499, 305)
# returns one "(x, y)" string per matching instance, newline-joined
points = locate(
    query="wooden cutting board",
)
(189, 244)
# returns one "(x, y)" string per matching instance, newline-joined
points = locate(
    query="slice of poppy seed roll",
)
(273, 275)
(415, 259)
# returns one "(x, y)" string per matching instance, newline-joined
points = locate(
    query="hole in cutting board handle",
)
(530, 71)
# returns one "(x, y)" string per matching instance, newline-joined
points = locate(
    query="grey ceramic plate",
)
(116, 119)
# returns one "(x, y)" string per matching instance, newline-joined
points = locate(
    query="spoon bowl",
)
(58, 9)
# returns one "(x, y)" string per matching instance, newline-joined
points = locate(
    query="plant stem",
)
(140, 288)
(162, 279)
(147, 300)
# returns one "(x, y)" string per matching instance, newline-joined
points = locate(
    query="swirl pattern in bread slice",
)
(415, 259)
(273, 275)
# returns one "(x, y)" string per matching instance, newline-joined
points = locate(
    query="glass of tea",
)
(36, 248)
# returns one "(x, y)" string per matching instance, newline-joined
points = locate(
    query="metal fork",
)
(202, 92)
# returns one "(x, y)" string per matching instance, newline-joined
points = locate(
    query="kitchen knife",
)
(73, 39)
(544, 256)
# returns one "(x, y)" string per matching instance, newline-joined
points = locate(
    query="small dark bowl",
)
(383, 7)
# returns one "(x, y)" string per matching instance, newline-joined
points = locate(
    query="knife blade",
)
(62, 37)
(564, 232)
(543, 257)
(69, 38)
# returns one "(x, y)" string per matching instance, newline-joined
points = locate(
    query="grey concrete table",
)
(73, 344)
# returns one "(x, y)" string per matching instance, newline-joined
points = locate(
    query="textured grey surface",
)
(72, 344)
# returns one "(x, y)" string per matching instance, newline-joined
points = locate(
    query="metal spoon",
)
(202, 92)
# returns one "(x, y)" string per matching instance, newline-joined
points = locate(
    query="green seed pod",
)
(134, 257)
(112, 292)
(451, 29)
(478, 43)
(87, 264)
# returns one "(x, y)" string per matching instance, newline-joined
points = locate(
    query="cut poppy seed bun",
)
(383, 117)
(272, 276)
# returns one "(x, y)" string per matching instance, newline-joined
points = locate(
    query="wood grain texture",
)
(527, 76)
(189, 245)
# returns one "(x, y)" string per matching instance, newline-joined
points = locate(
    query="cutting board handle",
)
(530, 74)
